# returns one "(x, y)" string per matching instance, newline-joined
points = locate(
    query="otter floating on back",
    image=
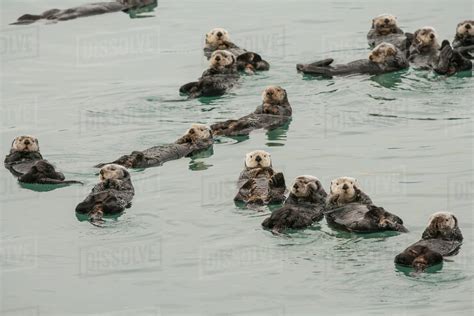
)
(426, 53)
(385, 30)
(441, 238)
(464, 39)
(274, 111)
(218, 39)
(26, 162)
(350, 209)
(111, 196)
(197, 138)
(384, 58)
(258, 183)
(303, 207)
(218, 79)
(88, 10)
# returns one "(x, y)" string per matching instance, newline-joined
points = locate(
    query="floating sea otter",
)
(133, 7)
(275, 111)
(26, 162)
(218, 39)
(441, 238)
(196, 139)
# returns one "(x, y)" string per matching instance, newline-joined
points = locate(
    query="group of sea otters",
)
(345, 208)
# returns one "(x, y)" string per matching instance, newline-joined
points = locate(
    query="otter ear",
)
(126, 174)
(455, 221)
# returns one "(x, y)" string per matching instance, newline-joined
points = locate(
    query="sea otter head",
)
(274, 95)
(345, 188)
(113, 172)
(426, 38)
(442, 223)
(381, 53)
(385, 24)
(258, 159)
(221, 59)
(465, 29)
(25, 143)
(305, 186)
(217, 37)
(197, 132)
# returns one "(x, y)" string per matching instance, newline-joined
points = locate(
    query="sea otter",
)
(111, 196)
(385, 30)
(219, 78)
(274, 111)
(87, 10)
(383, 58)
(464, 39)
(196, 139)
(441, 238)
(303, 207)
(350, 209)
(218, 39)
(426, 53)
(258, 183)
(26, 162)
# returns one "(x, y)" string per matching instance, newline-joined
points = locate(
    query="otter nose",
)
(345, 186)
(219, 34)
(218, 58)
(295, 186)
(432, 36)
(468, 26)
(101, 172)
(269, 93)
(258, 159)
(386, 21)
(26, 142)
(192, 131)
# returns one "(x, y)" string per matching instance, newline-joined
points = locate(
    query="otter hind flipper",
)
(315, 70)
(323, 63)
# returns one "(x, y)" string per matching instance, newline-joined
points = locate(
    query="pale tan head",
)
(113, 172)
(465, 29)
(305, 185)
(385, 24)
(443, 222)
(382, 52)
(274, 94)
(221, 59)
(426, 37)
(216, 37)
(258, 159)
(198, 132)
(344, 188)
(26, 143)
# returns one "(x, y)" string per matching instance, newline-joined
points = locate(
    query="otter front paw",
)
(277, 180)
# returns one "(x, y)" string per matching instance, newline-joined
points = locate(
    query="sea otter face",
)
(426, 37)
(113, 172)
(344, 188)
(443, 222)
(216, 37)
(274, 95)
(305, 185)
(25, 143)
(465, 29)
(258, 159)
(384, 24)
(381, 52)
(221, 59)
(199, 132)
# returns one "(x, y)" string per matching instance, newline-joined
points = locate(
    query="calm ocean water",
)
(95, 88)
